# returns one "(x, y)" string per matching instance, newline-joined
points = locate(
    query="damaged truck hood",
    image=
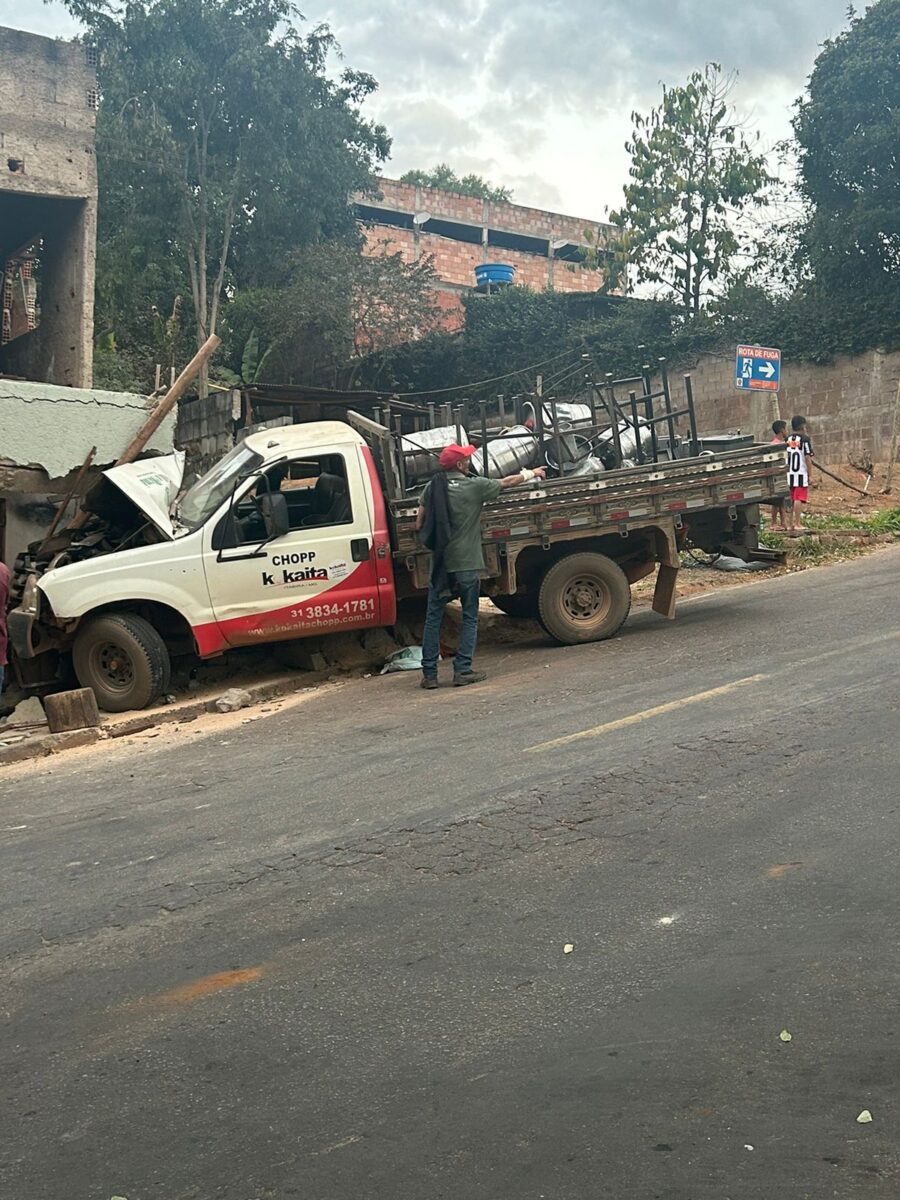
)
(152, 486)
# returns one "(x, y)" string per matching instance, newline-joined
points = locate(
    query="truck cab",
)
(285, 537)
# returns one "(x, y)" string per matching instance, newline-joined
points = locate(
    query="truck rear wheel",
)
(583, 598)
(123, 658)
(522, 605)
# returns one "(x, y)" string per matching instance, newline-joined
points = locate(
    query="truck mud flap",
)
(664, 592)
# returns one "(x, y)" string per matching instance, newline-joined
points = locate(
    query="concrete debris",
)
(864, 1117)
(568, 948)
(28, 712)
(232, 700)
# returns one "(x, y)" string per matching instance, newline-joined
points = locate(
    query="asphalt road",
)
(322, 954)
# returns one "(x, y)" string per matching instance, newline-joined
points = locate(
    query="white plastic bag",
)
(407, 659)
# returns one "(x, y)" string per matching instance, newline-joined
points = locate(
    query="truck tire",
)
(583, 598)
(123, 658)
(522, 606)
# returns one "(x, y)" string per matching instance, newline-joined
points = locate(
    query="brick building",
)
(48, 208)
(460, 232)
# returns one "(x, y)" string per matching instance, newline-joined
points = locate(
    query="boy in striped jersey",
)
(799, 452)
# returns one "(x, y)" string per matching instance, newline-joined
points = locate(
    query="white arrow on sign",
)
(766, 369)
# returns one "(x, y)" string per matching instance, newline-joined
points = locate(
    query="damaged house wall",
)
(46, 433)
(48, 207)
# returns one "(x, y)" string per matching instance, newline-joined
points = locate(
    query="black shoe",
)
(465, 677)
(429, 682)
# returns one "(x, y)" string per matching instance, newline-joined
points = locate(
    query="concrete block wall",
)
(205, 431)
(849, 403)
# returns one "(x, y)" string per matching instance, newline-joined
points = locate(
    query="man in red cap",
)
(449, 519)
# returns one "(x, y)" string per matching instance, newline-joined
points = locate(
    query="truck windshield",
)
(208, 493)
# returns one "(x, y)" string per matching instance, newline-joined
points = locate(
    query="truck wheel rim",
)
(113, 665)
(586, 598)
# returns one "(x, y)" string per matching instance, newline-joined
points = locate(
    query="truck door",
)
(319, 577)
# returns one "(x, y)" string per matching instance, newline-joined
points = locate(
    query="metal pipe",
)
(614, 413)
(401, 464)
(482, 406)
(636, 422)
(654, 441)
(539, 420)
(557, 440)
(692, 416)
(457, 421)
(667, 400)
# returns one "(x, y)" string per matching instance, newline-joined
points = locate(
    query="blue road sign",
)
(757, 368)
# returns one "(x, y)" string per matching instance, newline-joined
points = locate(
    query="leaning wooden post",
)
(168, 402)
(164, 406)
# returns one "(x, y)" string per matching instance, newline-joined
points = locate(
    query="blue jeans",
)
(2, 677)
(468, 584)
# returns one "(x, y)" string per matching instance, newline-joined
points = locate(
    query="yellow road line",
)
(658, 711)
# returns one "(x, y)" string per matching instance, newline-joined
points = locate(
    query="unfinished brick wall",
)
(503, 215)
(456, 258)
(455, 262)
(849, 403)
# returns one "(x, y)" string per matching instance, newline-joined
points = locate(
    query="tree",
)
(222, 138)
(341, 306)
(693, 172)
(848, 131)
(444, 177)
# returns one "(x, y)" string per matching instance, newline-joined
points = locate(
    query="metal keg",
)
(605, 447)
(514, 449)
(421, 449)
(569, 415)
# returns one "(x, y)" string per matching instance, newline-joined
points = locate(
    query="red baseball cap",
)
(452, 456)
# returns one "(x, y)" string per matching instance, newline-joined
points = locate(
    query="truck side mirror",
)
(274, 511)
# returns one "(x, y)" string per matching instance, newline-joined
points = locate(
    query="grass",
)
(885, 521)
(810, 550)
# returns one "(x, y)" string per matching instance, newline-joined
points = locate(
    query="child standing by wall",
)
(799, 452)
(779, 428)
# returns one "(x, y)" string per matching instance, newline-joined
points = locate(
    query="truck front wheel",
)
(123, 658)
(583, 598)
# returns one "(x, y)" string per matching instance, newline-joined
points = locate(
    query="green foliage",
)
(223, 145)
(692, 171)
(848, 131)
(518, 334)
(444, 177)
(337, 305)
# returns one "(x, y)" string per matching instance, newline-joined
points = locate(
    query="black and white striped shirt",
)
(799, 448)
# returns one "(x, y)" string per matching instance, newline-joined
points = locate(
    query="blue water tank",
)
(491, 274)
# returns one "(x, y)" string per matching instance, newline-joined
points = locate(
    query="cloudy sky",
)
(537, 94)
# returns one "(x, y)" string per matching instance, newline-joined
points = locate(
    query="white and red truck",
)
(309, 529)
